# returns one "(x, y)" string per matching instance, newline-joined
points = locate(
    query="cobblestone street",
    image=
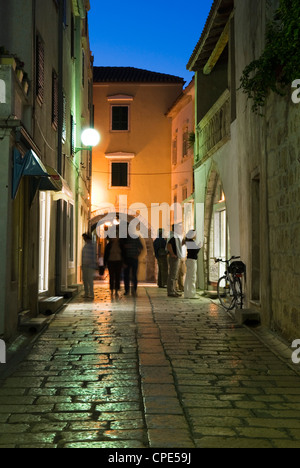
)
(149, 372)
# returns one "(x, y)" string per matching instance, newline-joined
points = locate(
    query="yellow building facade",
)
(132, 164)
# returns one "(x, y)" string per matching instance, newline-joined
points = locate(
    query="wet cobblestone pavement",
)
(151, 372)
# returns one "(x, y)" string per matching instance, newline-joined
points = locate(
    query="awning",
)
(52, 182)
(44, 178)
(65, 193)
(30, 165)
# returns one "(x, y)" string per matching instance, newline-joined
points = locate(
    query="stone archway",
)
(147, 267)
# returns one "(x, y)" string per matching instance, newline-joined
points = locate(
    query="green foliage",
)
(279, 64)
(191, 139)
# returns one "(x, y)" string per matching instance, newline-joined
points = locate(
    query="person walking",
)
(132, 249)
(182, 269)
(113, 260)
(88, 265)
(190, 291)
(174, 248)
(162, 259)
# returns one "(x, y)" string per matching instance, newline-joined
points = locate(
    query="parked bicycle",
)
(230, 290)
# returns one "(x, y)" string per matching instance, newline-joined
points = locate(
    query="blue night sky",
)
(156, 35)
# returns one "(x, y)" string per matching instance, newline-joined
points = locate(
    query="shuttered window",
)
(54, 100)
(120, 118)
(185, 142)
(72, 136)
(174, 151)
(83, 68)
(40, 69)
(64, 128)
(73, 36)
(119, 174)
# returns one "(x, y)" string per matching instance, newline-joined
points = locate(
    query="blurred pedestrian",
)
(88, 265)
(113, 260)
(133, 247)
(174, 248)
(161, 255)
(193, 249)
(182, 268)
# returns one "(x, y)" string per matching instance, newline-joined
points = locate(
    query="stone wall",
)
(283, 163)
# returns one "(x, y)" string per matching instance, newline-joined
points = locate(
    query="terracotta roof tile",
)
(132, 75)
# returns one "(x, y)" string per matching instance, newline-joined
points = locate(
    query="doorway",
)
(44, 241)
(216, 231)
(19, 242)
(256, 239)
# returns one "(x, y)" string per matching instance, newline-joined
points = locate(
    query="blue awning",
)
(43, 177)
(30, 165)
(33, 166)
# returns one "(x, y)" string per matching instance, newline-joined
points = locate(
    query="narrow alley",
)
(146, 373)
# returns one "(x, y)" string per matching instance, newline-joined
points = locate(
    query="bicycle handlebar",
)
(217, 260)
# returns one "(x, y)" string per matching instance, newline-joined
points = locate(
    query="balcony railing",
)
(214, 129)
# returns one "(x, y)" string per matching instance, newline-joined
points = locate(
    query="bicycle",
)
(230, 290)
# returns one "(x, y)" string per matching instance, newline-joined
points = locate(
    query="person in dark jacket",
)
(89, 265)
(161, 255)
(114, 259)
(133, 247)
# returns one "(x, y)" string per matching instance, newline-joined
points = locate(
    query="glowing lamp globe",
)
(90, 137)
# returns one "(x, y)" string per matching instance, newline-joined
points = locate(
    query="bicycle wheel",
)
(225, 293)
(238, 292)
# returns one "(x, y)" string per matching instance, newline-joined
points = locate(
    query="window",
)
(83, 68)
(54, 100)
(64, 123)
(120, 118)
(72, 136)
(72, 36)
(64, 6)
(40, 69)
(119, 174)
(185, 142)
(174, 151)
(71, 232)
(64, 13)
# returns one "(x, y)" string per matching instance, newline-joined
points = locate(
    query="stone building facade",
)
(132, 164)
(182, 114)
(254, 160)
(45, 101)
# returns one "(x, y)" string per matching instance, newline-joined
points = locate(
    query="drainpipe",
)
(59, 147)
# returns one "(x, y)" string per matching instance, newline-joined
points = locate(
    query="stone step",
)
(69, 293)
(50, 305)
(247, 315)
(211, 294)
(78, 287)
(24, 315)
(33, 325)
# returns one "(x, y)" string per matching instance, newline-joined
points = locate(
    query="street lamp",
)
(89, 138)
